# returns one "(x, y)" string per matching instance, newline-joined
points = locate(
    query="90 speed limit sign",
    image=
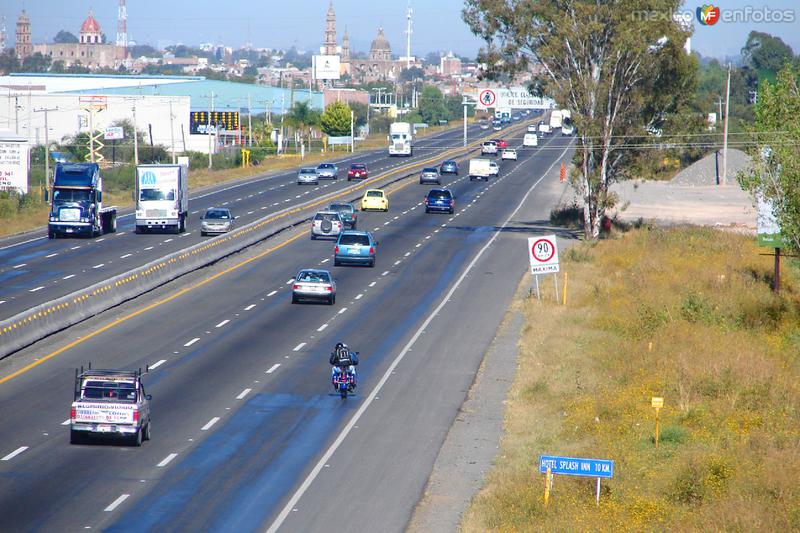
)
(543, 254)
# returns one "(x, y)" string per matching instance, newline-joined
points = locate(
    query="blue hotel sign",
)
(576, 466)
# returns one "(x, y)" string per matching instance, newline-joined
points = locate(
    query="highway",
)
(35, 270)
(246, 433)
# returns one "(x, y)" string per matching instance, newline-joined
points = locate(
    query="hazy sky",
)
(273, 24)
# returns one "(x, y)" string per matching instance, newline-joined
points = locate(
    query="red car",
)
(501, 143)
(357, 171)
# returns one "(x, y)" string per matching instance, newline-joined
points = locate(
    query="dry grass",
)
(725, 357)
(33, 214)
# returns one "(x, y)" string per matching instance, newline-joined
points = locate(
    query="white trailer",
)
(401, 139)
(480, 169)
(162, 197)
(556, 118)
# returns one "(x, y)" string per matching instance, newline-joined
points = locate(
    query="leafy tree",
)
(36, 63)
(455, 108)
(302, 117)
(8, 61)
(776, 159)
(432, 108)
(432, 58)
(65, 37)
(335, 120)
(360, 112)
(409, 74)
(143, 50)
(766, 53)
(618, 73)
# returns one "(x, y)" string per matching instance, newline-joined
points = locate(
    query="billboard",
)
(14, 161)
(511, 98)
(222, 121)
(114, 133)
(326, 67)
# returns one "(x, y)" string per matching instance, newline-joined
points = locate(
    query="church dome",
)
(380, 49)
(90, 25)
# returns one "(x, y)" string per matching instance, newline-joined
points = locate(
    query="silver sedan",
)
(308, 176)
(313, 284)
(216, 220)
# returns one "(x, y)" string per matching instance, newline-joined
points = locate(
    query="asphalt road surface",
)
(35, 270)
(247, 433)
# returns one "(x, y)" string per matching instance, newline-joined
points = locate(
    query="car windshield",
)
(325, 166)
(375, 194)
(439, 195)
(109, 390)
(430, 170)
(359, 167)
(351, 239)
(71, 195)
(342, 207)
(218, 214)
(327, 216)
(313, 277)
(152, 195)
(308, 171)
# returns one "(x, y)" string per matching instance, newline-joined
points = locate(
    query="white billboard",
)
(511, 98)
(326, 67)
(14, 162)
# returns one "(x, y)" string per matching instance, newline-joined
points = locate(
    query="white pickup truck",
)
(110, 403)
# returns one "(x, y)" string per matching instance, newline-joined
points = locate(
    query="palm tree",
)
(303, 118)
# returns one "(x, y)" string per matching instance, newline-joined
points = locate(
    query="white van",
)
(530, 139)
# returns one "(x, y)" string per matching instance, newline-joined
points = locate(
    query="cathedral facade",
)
(90, 51)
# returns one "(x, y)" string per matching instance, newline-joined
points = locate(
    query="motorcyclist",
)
(342, 357)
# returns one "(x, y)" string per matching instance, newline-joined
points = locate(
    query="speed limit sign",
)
(543, 254)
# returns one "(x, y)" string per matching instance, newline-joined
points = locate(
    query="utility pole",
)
(16, 115)
(46, 143)
(352, 131)
(725, 134)
(249, 122)
(208, 130)
(135, 137)
(283, 101)
(171, 132)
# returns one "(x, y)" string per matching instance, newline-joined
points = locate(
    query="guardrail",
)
(32, 325)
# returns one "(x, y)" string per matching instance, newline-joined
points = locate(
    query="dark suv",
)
(441, 200)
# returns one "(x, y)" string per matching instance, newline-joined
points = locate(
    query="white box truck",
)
(556, 118)
(401, 139)
(480, 169)
(162, 197)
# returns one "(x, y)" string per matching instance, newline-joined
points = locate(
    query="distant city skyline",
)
(437, 26)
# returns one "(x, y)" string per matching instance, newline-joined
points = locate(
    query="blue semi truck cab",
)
(76, 202)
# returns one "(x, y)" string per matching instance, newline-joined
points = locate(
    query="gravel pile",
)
(703, 172)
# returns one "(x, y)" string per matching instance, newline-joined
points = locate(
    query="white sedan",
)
(509, 154)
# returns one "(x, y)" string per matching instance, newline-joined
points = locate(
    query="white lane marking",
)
(51, 255)
(120, 233)
(210, 423)
(386, 272)
(20, 265)
(273, 368)
(322, 327)
(264, 207)
(418, 245)
(192, 342)
(407, 254)
(168, 240)
(68, 277)
(116, 503)
(37, 288)
(387, 223)
(249, 307)
(14, 453)
(395, 218)
(428, 237)
(101, 265)
(166, 460)
(149, 248)
(373, 283)
(125, 256)
(250, 212)
(272, 293)
(195, 211)
(100, 240)
(342, 310)
(324, 261)
(299, 347)
(359, 296)
(397, 262)
(222, 323)
(244, 393)
(376, 229)
(290, 281)
(75, 247)
(157, 364)
(66, 422)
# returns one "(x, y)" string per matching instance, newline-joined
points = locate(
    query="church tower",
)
(24, 46)
(330, 32)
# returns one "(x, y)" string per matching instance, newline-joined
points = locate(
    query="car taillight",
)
(426, 201)
(295, 286)
(451, 201)
(72, 413)
(371, 250)
(336, 250)
(329, 289)
(355, 216)
(136, 415)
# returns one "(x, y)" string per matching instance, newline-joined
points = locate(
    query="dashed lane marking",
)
(192, 342)
(157, 364)
(244, 393)
(166, 460)
(116, 503)
(14, 453)
(210, 423)
(273, 368)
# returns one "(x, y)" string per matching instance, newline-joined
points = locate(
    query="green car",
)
(347, 212)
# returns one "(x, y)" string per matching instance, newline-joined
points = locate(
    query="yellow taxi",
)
(375, 199)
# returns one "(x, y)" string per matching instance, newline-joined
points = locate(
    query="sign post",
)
(575, 466)
(657, 404)
(543, 257)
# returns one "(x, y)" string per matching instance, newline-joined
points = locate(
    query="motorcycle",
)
(344, 382)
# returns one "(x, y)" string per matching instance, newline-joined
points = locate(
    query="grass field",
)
(685, 314)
